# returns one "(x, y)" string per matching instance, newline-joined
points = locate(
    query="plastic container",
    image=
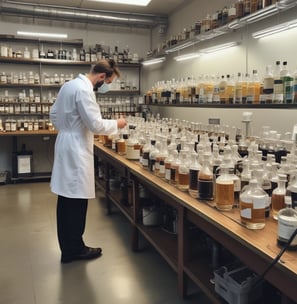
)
(236, 285)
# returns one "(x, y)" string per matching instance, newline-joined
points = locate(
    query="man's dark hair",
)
(107, 66)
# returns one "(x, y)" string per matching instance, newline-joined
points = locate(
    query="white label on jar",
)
(145, 162)
(246, 213)
(286, 227)
(237, 185)
(167, 174)
(259, 202)
(162, 169)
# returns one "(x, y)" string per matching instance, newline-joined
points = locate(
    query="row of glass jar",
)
(25, 108)
(13, 125)
(213, 171)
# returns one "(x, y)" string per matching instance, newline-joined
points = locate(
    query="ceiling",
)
(155, 7)
(90, 11)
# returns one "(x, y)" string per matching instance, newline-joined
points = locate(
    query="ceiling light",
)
(219, 47)
(263, 13)
(42, 35)
(187, 56)
(275, 29)
(181, 46)
(126, 2)
(153, 61)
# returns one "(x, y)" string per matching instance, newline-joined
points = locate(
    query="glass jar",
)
(224, 189)
(172, 153)
(132, 147)
(205, 179)
(287, 224)
(252, 206)
(146, 152)
(174, 169)
(121, 145)
(278, 196)
(293, 190)
(160, 158)
(183, 171)
(194, 171)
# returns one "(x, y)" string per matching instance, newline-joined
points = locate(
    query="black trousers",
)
(71, 222)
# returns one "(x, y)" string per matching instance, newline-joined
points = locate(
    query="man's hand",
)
(121, 123)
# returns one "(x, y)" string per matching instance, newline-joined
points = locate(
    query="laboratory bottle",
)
(287, 225)
(174, 169)
(268, 85)
(172, 153)
(278, 196)
(278, 90)
(183, 171)
(252, 206)
(224, 189)
(160, 158)
(205, 179)
(194, 171)
(287, 83)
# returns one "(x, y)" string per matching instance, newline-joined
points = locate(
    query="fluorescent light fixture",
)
(126, 2)
(153, 61)
(263, 13)
(186, 56)
(181, 46)
(275, 29)
(41, 35)
(219, 47)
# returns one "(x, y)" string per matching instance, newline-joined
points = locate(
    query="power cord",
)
(261, 277)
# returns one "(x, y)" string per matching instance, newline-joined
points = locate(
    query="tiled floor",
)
(30, 269)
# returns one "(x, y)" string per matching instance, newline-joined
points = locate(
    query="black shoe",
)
(87, 254)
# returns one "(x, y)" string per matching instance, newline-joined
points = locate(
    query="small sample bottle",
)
(278, 196)
(224, 189)
(205, 179)
(287, 224)
(194, 171)
(252, 206)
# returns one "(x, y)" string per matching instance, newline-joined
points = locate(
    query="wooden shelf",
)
(201, 273)
(126, 210)
(29, 133)
(165, 243)
(228, 106)
(46, 61)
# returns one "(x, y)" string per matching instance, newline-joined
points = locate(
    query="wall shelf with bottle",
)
(222, 22)
(31, 75)
(231, 106)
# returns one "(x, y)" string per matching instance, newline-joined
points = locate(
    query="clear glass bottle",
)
(287, 224)
(152, 155)
(224, 193)
(205, 179)
(293, 190)
(194, 171)
(146, 152)
(172, 153)
(183, 171)
(278, 196)
(252, 206)
(174, 169)
(121, 145)
(160, 158)
(132, 147)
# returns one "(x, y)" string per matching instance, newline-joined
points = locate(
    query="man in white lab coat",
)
(77, 117)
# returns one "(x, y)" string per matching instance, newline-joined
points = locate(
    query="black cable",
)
(276, 259)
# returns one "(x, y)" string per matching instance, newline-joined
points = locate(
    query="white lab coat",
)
(76, 116)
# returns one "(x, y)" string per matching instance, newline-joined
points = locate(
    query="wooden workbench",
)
(255, 248)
